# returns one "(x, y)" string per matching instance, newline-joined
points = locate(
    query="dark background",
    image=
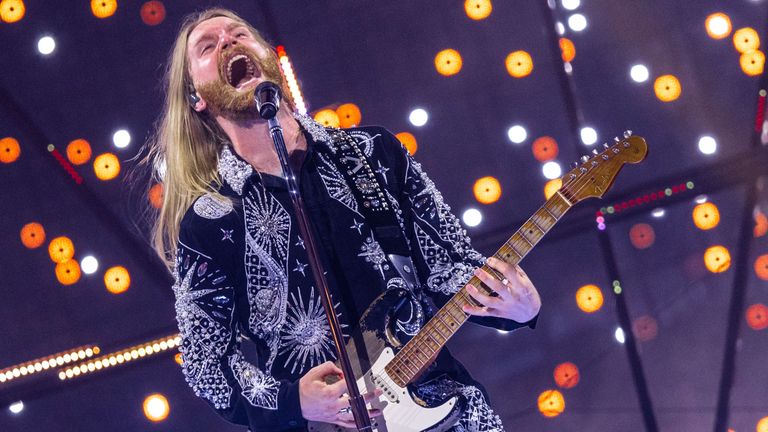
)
(106, 74)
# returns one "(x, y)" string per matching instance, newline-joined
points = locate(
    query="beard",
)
(221, 94)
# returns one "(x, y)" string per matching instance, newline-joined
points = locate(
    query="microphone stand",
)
(266, 109)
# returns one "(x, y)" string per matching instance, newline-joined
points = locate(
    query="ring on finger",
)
(505, 282)
(345, 410)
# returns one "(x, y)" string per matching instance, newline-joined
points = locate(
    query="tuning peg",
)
(595, 152)
(627, 133)
(605, 146)
(616, 139)
(584, 158)
(574, 164)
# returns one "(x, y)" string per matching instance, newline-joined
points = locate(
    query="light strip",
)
(48, 362)
(290, 78)
(121, 357)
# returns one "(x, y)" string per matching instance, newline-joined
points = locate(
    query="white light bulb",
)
(718, 26)
(517, 134)
(46, 45)
(121, 138)
(588, 135)
(571, 4)
(472, 217)
(577, 22)
(707, 145)
(551, 170)
(619, 335)
(16, 407)
(639, 73)
(89, 264)
(418, 117)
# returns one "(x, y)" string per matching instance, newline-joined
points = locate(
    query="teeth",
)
(250, 68)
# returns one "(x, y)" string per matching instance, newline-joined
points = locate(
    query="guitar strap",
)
(374, 204)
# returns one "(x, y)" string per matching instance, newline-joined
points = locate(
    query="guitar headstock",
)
(596, 174)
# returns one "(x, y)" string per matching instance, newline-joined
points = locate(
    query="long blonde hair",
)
(184, 150)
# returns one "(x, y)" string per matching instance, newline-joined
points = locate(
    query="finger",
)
(327, 368)
(485, 300)
(476, 310)
(338, 388)
(504, 267)
(371, 396)
(491, 282)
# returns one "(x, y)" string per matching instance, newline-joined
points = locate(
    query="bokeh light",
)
(718, 25)
(667, 88)
(106, 166)
(568, 49)
(78, 151)
(121, 138)
(717, 259)
(519, 64)
(117, 279)
(551, 187)
(642, 236)
(10, 150)
(551, 170)
(46, 45)
(645, 328)
(571, 4)
(588, 135)
(619, 335)
(517, 134)
(32, 235)
(68, 272)
(566, 375)
(349, 115)
(487, 190)
(762, 425)
(757, 316)
(328, 118)
(16, 407)
(408, 141)
(448, 62)
(155, 196)
(577, 22)
(12, 11)
(706, 216)
(761, 224)
(418, 117)
(61, 249)
(589, 298)
(89, 264)
(761, 267)
(551, 403)
(745, 40)
(707, 145)
(545, 149)
(478, 9)
(156, 407)
(752, 62)
(472, 217)
(103, 8)
(152, 13)
(639, 73)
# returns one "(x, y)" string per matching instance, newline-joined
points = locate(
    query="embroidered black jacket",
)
(241, 273)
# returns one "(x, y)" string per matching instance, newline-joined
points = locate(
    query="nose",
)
(228, 41)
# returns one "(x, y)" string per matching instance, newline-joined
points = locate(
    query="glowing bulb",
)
(619, 335)
(472, 217)
(418, 117)
(639, 73)
(517, 134)
(156, 407)
(718, 25)
(16, 407)
(588, 135)
(551, 170)
(577, 22)
(46, 45)
(707, 145)
(571, 4)
(121, 138)
(89, 264)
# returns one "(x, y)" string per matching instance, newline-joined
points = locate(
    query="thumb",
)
(327, 368)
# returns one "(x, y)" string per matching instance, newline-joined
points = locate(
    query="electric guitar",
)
(380, 360)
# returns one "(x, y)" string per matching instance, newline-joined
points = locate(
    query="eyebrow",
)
(208, 36)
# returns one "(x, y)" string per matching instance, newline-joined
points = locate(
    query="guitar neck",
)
(420, 351)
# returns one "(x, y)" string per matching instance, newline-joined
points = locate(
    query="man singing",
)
(228, 233)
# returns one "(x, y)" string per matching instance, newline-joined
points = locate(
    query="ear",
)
(198, 103)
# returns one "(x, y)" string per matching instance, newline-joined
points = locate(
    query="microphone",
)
(267, 96)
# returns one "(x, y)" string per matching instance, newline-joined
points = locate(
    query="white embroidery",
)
(211, 207)
(477, 415)
(233, 170)
(258, 388)
(364, 141)
(372, 252)
(268, 222)
(204, 338)
(335, 184)
(315, 129)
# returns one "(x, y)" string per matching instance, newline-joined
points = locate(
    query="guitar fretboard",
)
(420, 351)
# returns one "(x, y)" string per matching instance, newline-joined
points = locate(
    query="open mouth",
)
(241, 70)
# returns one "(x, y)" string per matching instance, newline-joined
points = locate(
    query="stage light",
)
(718, 25)
(46, 45)
(478, 9)
(658, 212)
(78, 151)
(106, 166)
(757, 316)
(717, 259)
(328, 118)
(32, 235)
(9, 150)
(11, 11)
(103, 8)
(448, 62)
(761, 267)
(68, 272)
(577, 22)
(16, 407)
(418, 117)
(639, 73)
(667, 88)
(121, 138)
(61, 249)
(487, 190)
(752, 62)
(349, 115)
(642, 236)
(588, 135)
(152, 13)
(551, 187)
(706, 216)
(589, 298)
(519, 64)
(517, 134)
(568, 50)
(156, 407)
(551, 403)
(566, 375)
(155, 196)
(472, 217)
(619, 335)
(117, 279)
(746, 40)
(551, 170)
(707, 145)
(560, 28)
(89, 264)
(408, 141)
(545, 149)
(571, 4)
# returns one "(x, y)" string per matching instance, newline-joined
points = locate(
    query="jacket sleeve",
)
(213, 365)
(440, 246)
